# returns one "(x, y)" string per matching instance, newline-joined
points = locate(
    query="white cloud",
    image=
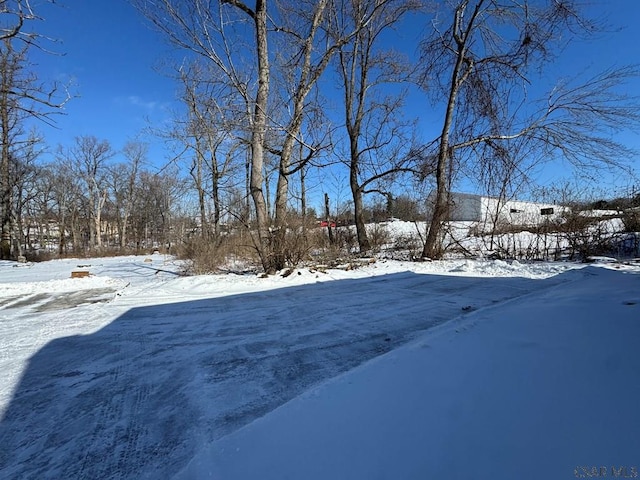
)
(139, 102)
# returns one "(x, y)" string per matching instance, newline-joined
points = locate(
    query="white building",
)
(490, 211)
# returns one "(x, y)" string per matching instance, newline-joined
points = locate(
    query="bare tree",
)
(379, 142)
(13, 143)
(89, 158)
(38, 210)
(65, 192)
(480, 62)
(155, 208)
(22, 96)
(219, 32)
(123, 182)
(208, 135)
(23, 172)
(480, 65)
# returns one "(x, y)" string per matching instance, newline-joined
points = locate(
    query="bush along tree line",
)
(276, 95)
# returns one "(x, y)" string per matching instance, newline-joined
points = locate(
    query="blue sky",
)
(112, 56)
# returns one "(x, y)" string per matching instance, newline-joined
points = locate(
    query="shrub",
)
(208, 255)
(631, 221)
(39, 256)
(379, 237)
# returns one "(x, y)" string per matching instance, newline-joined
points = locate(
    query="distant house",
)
(489, 211)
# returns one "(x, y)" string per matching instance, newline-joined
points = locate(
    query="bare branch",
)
(481, 65)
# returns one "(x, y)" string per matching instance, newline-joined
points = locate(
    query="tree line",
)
(272, 92)
(82, 202)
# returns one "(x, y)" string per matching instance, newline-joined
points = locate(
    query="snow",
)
(534, 388)
(447, 369)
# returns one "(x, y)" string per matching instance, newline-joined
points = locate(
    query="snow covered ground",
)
(453, 369)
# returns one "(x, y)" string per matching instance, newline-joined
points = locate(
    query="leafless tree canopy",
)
(271, 93)
(14, 14)
(482, 57)
(373, 81)
(22, 96)
(271, 57)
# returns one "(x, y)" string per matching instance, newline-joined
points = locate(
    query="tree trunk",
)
(358, 205)
(279, 237)
(5, 180)
(123, 231)
(258, 137)
(246, 207)
(433, 244)
(62, 243)
(358, 210)
(215, 196)
(92, 221)
(75, 232)
(197, 176)
(5, 228)
(461, 70)
(327, 215)
(102, 199)
(303, 195)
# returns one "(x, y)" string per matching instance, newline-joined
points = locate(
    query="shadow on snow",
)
(136, 398)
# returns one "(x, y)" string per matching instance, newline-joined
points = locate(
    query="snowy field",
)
(453, 369)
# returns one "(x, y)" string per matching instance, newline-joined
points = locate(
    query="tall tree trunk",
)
(62, 242)
(308, 74)
(19, 237)
(123, 231)
(356, 191)
(246, 207)
(76, 236)
(327, 216)
(215, 195)
(102, 199)
(92, 219)
(461, 70)
(5, 179)
(358, 210)
(97, 229)
(433, 244)
(258, 133)
(197, 176)
(303, 194)
(279, 236)
(5, 206)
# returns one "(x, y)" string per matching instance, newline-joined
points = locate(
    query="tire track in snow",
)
(138, 397)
